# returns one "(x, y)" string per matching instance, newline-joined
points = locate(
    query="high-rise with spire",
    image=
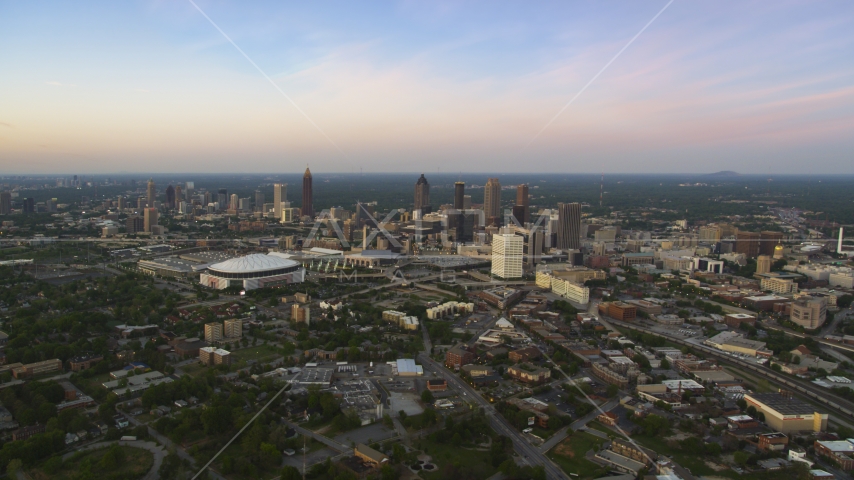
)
(307, 197)
(492, 200)
(422, 193)
(151, 192)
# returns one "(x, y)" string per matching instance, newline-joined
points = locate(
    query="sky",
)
(153, 86)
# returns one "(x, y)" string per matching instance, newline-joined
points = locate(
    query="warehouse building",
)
(787, 414)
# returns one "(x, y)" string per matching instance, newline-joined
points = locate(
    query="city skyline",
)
(755, 88)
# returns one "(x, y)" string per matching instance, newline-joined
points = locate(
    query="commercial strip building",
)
(785, 413)
(406, 367)
(736, 343)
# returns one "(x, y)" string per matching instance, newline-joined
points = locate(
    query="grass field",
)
(569, 455)
(136, 464)
(259, 353)
(477, 463)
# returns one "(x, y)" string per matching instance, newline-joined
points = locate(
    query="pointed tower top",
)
(307, 172)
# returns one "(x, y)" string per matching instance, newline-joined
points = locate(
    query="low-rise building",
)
(618, 310)
(437, 385)
(37, 368)
(457, 356)
(840, 451)
(734, 320)
(526, 373)
(83, 362)
(369, 455)
(773, 441)
(214, 356)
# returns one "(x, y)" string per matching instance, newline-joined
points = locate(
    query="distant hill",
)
(724, 173)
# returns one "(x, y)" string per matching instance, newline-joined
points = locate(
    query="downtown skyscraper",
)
(280, 195)
(151, 192)
(422, 194)
(307, 195)
(523, 203)
(569, 226)
(492, 201)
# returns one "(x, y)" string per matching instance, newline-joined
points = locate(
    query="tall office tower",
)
(507, 255)
(189, 191)
(120, 202)
(456, 220)
(170, 197)
(422, 193)
(492, 200)
(569, 226)
(535, 246)
(769, 240)
(222, 198)
(280, 194)
(29, 205)
(5, 203)
(208, 199)
(259, 200)
(134, 224)
(467, 202)
(523, 200)
(747, 243)
(763, 264)
(141, 203)
(347, 230)
(234, 202)
(307, 195)
(178, 195)
(151, 192)
(151, 217)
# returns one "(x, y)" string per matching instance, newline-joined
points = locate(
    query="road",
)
(338, 447)
(532, 456)
(561, 434)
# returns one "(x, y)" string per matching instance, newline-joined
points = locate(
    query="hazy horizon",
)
(397, 87)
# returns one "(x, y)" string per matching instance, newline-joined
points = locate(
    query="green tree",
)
(611, 390)
(290, 473)
(427, 396)
(13, 466)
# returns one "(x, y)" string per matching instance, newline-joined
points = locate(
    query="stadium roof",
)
(253, 263)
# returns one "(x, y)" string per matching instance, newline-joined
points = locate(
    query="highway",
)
(531, 454)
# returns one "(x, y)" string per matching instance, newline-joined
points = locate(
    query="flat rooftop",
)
(783, 404)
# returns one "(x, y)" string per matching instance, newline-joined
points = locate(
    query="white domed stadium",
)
(253, 271)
